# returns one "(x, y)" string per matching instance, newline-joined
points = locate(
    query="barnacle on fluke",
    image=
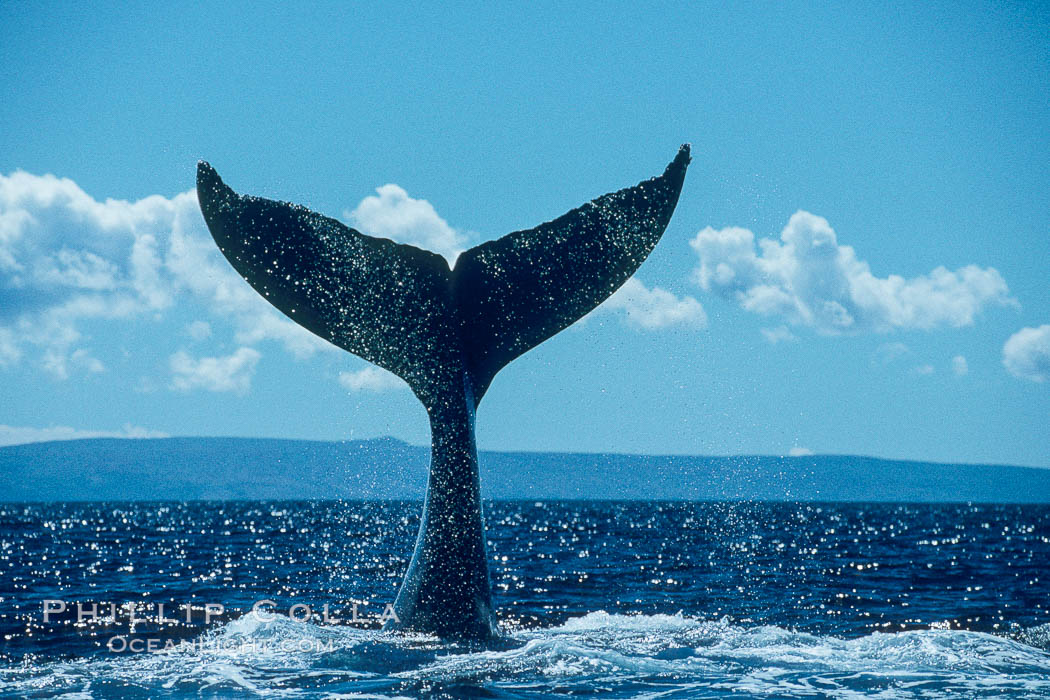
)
(446, 332)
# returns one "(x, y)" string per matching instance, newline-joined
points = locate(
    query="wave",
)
(601, 654)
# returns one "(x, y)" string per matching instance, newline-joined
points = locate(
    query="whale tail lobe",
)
(405, 310)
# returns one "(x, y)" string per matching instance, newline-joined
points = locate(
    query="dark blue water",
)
(600, 599)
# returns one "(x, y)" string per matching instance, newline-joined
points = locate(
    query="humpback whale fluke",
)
(446, 332)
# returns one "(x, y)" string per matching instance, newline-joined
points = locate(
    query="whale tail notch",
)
(405, 310)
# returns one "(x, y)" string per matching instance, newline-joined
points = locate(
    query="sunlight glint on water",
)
(610, 599)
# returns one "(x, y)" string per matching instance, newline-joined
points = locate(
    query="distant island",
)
(162, 469)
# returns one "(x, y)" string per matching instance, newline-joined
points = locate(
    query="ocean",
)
(601, 599)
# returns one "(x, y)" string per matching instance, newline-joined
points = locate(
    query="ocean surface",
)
(599, 599)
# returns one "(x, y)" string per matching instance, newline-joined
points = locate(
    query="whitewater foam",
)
(599, 653)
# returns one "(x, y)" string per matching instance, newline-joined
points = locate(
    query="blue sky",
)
(858, 262)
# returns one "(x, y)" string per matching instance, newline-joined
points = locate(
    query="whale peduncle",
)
(446, 590)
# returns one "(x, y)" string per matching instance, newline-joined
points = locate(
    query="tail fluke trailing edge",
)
(404, 309)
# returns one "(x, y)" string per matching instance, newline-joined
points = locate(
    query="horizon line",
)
(390, 438)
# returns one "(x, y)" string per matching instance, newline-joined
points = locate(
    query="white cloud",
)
(10, 354)
(1026, 354)
(959, 366)
(654, 308)
(373, 379)
(808, 279)
(81, 357)
(227, 373)
(67, 258)
(780, 334)
(923, 370)
(888, 352)
(12, 435)
(59, 364)
(295, 339)
(146, 385)
(391, 213)
(199, 330)
(76, 269)
(800, 452)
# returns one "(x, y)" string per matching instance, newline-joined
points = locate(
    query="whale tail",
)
(405, 310)
(447, 332)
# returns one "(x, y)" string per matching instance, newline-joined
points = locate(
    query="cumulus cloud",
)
(14, 435)
(1026, 354)
(10, 354)
(59, 365)
(888, 352)
(780, 334)
(654, 308)
(373, 379)
(800, 452)
(391, 213)
(67, 259)
(959, 366)
(227, 373)
(808, 279)
(199, 330)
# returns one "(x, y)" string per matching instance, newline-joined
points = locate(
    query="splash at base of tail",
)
(446, 332)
